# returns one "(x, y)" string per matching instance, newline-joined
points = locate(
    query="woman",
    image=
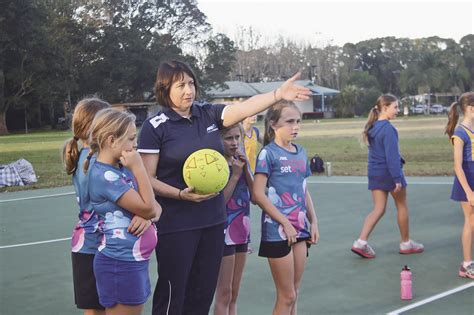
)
(191, 228)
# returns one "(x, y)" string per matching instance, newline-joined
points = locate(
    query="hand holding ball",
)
(206, 170)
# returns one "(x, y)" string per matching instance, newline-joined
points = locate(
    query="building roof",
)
(235, 89)
(243, 89)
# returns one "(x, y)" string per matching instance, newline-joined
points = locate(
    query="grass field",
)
(422, 143)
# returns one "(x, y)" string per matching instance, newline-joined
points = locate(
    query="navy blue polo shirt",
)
(174, 138)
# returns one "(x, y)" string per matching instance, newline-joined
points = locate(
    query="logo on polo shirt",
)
(283, 158)
(211, 128)
(158, 120)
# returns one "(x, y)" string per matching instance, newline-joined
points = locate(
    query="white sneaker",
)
(364, 251)
(411, 248)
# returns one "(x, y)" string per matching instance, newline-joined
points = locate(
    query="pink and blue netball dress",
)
(86, 236)
(121, 266)
(466, 136)
(287, 172)
(238, 213)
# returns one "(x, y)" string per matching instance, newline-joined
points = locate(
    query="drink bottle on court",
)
(406, 284)
(328, 169)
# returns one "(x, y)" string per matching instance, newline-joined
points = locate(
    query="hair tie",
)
(75, 138)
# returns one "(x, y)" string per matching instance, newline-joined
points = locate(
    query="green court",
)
(35, 267)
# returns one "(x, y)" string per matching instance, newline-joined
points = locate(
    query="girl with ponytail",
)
(385, 176)
(86, 236)
(462, 191)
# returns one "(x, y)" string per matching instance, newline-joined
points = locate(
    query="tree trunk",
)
(3, 124)
(3, 107)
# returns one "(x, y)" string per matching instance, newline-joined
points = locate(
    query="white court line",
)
(38, 197)
(431, 299)
(35, 243)
(365, 182)
(309, 182)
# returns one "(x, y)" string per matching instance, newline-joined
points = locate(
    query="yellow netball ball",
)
(206, 170)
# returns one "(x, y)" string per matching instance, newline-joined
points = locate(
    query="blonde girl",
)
(461, 137)
(119, 188)
(237, 233)
(289, 221)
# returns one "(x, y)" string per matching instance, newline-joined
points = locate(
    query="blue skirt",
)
(457, 193)
(121, 282)
(384, 182)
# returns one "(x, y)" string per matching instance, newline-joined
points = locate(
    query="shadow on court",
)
(36, 278)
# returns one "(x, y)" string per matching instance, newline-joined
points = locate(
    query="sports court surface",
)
(35, 267)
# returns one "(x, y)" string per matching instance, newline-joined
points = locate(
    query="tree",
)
(220, 57)
(466, 45)
(21, 37)
(346, 101)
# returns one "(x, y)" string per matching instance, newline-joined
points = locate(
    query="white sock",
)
(361, 242)
(466, 263)
(405, 243)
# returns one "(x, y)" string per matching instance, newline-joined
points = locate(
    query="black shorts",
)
(232, 249)
(85, 290)
(278, 249)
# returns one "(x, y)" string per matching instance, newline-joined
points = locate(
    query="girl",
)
(288, 222)
(385, 175)
(237, 233)
(119, 187)
(251, 138)
(462, 191)
(86, 235)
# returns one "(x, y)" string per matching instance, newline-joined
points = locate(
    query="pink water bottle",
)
(405, 284)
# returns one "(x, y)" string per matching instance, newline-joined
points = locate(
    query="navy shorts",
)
(121, 282)
(384, 183)
(232, 249)
(278, 249)
(85, 290)
(457, 192)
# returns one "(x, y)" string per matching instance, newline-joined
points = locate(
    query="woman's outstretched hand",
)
(289, 91)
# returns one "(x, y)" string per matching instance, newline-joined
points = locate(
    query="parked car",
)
(438, 109)
(420, 109)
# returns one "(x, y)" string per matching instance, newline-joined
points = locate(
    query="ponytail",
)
(453, 117)
(84, 113)
(88, 160)
(383, 100)
(373, 116)
(269, 135)
(70, 155)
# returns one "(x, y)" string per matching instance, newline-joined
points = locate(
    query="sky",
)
(324, 22)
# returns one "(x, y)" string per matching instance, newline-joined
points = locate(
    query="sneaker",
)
(364, 251)
(412, 248)
(467, 272)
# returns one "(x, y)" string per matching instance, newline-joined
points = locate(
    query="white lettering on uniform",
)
(211, 128)
(285, 169)
(158, 120)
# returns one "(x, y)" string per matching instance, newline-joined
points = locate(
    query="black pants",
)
(188, 267)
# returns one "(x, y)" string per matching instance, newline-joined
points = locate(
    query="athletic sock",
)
(361, 242)
(466, 263)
